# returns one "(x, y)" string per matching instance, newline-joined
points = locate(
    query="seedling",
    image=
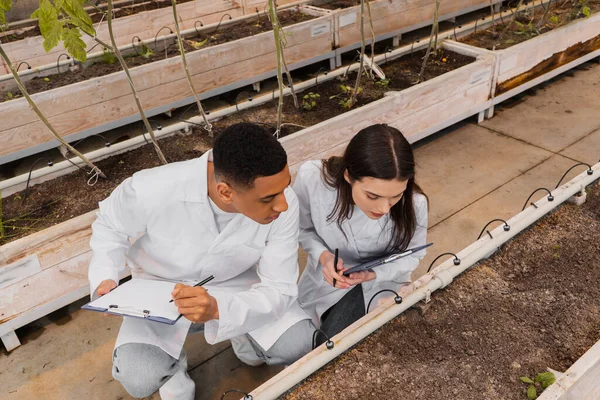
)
(108, 57)
(145, 51)
(542, 381)
(383, 82)
(196, 44)
(309, 101)
(46, 79)
(347, 96)
(526, 29)
(9, 94)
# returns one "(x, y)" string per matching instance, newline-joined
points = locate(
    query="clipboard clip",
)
(113, 308)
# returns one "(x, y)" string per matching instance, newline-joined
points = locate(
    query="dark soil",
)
(533, 305)
(48, 203)
(337, 4)
(109, 64)
(528, 25)
(120, 11)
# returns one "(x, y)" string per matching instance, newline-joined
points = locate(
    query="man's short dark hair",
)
(246, 151)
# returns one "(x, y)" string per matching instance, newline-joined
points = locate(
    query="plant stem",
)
(432, 39)
(289, 77)
(42, 117)
(362, 52)
(372, 37)
(493, 19)
(207, 124)
(278, 46)
(512, 20)
(115, 49)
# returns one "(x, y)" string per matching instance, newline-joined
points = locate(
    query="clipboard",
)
(369, 265)
(139, 298)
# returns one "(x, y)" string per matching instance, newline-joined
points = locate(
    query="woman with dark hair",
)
(366, 204)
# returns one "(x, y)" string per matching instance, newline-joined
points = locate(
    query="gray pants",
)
(143, 369)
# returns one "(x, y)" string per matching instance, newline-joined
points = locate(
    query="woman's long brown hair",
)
(381, 152)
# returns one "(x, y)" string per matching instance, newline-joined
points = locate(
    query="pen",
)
(335, 261)
(210, 278)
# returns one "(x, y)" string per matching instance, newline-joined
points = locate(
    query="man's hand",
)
(195, 303)
(106, 286)
(326, 259)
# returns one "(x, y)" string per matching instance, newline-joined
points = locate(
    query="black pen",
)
(335, 261)
(210, 278)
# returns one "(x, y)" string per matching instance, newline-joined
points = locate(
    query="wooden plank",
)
(88, 104)
(392, 16)
(52, 245)
(10, 341)
(45, 286)
(19, 270)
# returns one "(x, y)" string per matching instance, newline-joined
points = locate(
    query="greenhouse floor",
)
(471, 173)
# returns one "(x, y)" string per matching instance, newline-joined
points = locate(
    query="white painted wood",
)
(19, 270)
(10, 341)
(580, 381)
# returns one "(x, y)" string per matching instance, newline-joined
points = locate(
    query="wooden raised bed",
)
(106, 102)
(543, 57)
(62, 251)
(392, 18)
(417, 112)
(145, 25)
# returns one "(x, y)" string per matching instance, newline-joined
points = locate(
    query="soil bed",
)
(48, 204)
(338, 4)
(535, 304)
(528, 25)
(122, 11)
(108, 63)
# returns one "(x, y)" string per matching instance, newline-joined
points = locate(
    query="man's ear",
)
(225, 192)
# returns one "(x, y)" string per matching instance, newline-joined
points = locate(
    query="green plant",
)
(526, 29)
(5, 6)
(585, 10)
(145, 51)
(309, 101)
(108, 57)
(383, 82)
(347, 96)
(542, 381)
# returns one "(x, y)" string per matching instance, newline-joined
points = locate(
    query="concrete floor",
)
(471, 173)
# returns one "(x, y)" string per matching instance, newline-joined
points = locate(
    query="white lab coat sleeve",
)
(309, 239)
(399, 271)
(268, 300)
(121, 216)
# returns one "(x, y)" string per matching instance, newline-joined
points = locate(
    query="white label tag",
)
(320, 29)
(347, 19)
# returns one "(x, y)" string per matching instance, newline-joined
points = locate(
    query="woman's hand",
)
(359, 277)
(329, 273)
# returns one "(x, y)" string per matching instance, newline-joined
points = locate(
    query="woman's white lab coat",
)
(368, 240)
(255, 266)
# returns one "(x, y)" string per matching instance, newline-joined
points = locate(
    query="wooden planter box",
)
(145, 25)
(580, 381)
(417, 112)
(392, 18)
(537, 60)
(106, 102)
(50, 266)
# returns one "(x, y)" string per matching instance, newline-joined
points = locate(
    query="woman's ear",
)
(347, 176)
(225, 192)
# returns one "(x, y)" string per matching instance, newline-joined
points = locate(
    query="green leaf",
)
(531, 393)
(73, 44)
(526, 379)
(5, 6)
(545, 379)
(50, 26)
(78, 16)
(9, 94)
(586, 11)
